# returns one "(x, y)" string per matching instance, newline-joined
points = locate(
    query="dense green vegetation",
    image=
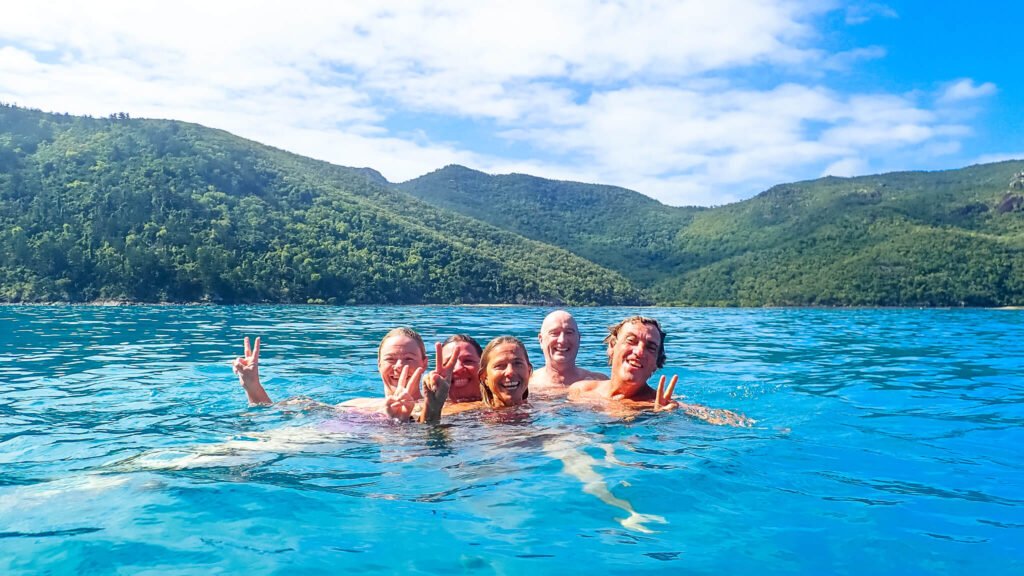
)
(947, 238)
(910, 239)
(150, 210)
(614, 227)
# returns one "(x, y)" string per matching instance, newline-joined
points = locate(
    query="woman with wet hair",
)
(502, 379)
(505, 371)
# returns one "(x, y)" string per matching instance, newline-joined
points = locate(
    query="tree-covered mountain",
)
(155, 210)
(914, 238)
(614, 227)
(158, 210)
(945, 238)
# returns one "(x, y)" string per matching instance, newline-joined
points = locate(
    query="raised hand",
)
(663, 396)
(663, 401)
(435, 387)
(400, 403)
(443, 368)
(247, 368)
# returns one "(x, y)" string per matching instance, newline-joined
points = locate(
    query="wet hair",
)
(485, 356)
(464, 338)
(613, 336)
(402, 331)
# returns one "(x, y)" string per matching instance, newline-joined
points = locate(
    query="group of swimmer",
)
(500, 375)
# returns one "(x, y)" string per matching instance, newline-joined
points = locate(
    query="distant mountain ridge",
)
(155, 210)
(158, 210)
(947, 238)
(614, 227)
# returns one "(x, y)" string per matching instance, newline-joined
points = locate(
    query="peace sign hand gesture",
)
(663, 397)
(247, 368)
(718, 416)
(436, 386)
(401, 402)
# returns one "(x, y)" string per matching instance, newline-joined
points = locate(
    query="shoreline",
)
(120, 303)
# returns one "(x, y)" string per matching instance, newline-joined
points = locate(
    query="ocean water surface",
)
(887, 441)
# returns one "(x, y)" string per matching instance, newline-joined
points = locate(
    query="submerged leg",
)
(581, 465)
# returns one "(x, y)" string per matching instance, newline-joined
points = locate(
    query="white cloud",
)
(861, 12)
(723, 141)
(966, 89)
(648, 95)
(842, 61)
(846, 167)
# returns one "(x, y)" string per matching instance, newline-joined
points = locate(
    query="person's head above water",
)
(636, 349)
(465, 380)
(504, 372)
(400, 348)
(559, 339)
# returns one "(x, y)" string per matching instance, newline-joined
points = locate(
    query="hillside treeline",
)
(154, 210)
(151, 210)
(950, 238)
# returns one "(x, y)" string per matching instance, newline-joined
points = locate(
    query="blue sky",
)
(690, 102)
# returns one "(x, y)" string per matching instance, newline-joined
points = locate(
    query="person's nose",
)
(639, 349)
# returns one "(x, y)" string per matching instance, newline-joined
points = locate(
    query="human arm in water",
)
(248, 369)
(595, 392)
(663, 401)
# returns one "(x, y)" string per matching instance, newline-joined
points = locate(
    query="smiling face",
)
(506, 374)
(634, 352)
(397, 352)
(465, 383)
(560, 339)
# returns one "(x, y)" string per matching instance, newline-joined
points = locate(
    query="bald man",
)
(560, 342)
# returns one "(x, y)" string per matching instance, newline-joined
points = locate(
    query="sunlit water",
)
(887, 441)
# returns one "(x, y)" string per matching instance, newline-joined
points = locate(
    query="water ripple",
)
(124, 434)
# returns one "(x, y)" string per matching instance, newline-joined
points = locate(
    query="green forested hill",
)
(614, 227)
(914, 239)
(152, 210)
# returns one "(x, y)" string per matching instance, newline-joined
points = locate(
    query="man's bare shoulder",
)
(540, 378)
(589, 375)
(585, 388)
(589, 384)
(542, 385)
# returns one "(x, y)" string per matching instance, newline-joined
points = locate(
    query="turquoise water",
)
(887, 441)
